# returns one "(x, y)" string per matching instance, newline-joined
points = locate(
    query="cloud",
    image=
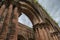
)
(53, 8)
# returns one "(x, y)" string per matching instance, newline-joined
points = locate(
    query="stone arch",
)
(30, 12)
(27, 8)
(48, 21)
(50, 25)
(54, 27)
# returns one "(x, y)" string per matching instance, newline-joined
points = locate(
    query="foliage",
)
(35, 1)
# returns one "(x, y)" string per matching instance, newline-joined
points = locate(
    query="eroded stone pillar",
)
(49, 35)
(45, 34)
(41, 32)
(5, 25)
(50, 30)
(59, 36)
(37, 36)
(55, 36)
(14, 25)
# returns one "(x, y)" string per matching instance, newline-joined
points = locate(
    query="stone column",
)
(45, 34)
(5, 25)
(49, 30)
(37, 36)
(49, 35)
(40, 32)
(55, 36)
(14, 28)
(59, 36)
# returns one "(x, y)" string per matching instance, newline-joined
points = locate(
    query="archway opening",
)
(20, 37)
(30, 39)
(23, 19)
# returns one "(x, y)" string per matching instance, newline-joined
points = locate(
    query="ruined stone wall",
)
(44, 27)
(25, 31)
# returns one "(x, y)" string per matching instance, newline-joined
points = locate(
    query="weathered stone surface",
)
(44, 28)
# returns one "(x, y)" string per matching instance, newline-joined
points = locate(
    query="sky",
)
(25, 20)
(51, 6)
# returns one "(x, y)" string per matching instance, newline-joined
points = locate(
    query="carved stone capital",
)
(42, 25)
(55, 33)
